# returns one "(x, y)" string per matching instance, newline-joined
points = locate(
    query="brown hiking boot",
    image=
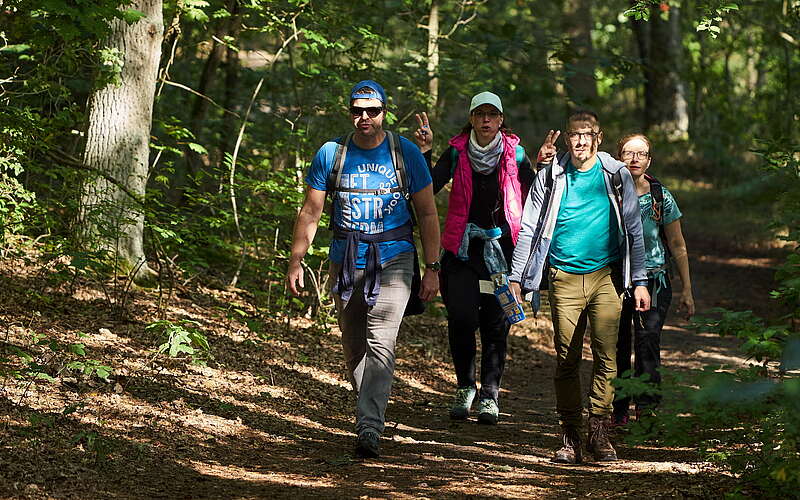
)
(570, 452)
(599, 443)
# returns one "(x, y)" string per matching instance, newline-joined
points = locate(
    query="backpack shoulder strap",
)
(616, 187)
(453, 160)
(402, 175)
(616, 180)
(519, 153)
(548, 181)
(399, 163)
(335, 175)
(657, 193)
(548, 192)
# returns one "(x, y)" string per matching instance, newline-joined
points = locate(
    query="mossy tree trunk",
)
(117, 142)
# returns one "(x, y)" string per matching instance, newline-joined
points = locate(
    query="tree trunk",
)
(117, 142)
(232, 69)
(666, 109)
(195, 161)
(578, 59)
(433, 58)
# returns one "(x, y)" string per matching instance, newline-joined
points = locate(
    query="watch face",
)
(434, 266)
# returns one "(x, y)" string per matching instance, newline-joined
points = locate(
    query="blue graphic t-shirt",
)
(368, 213)
(655, 256)
(586, 234)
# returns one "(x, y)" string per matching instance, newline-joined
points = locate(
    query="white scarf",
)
(484, 159)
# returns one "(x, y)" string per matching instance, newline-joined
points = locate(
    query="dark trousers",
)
(644, 329)
(469, 310)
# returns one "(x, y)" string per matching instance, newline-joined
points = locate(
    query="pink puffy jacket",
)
(461, 192)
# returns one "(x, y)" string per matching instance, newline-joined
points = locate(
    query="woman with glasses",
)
(490, 175)
(662, 238)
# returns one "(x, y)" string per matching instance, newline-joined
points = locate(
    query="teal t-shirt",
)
(585, 237)
(655, 254)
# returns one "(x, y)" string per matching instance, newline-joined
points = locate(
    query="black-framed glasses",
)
(639, 155)
(576, 136)
(371, 111)
(486, 114)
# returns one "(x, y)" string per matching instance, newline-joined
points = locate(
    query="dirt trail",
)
(271, 416)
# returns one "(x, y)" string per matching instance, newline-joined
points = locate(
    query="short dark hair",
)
(584, 115)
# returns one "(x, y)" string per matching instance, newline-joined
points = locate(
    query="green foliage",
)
(94, 443)
(182, 337)
(712, 15)
(45, 358)
(713, 12)
(746, 419)
(17, 204)
(110, 70)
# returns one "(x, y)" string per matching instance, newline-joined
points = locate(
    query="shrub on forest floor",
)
(182, 337)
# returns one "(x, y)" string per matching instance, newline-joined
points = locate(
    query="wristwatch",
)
(434, 266)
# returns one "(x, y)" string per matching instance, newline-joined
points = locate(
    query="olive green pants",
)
(574, 299)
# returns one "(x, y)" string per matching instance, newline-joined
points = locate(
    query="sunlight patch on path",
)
(763, 262)
(312, 371)
(239, 473)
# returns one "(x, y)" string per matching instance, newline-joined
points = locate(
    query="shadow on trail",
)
(281, 426)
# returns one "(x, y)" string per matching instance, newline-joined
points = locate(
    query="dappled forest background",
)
(154, 151)
(246, 91)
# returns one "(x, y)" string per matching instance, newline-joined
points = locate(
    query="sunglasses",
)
(372, 112)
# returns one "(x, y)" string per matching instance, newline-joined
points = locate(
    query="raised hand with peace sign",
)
(548, 149)
(424, 135)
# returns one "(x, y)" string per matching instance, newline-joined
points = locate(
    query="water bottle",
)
(511, 308)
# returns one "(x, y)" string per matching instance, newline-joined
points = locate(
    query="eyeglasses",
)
(576, 136)
(486, 114)
(639, 155)
(372, 112)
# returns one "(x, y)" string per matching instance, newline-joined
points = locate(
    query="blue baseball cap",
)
(376, 91)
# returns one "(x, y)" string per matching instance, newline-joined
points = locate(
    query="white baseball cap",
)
(486, 98)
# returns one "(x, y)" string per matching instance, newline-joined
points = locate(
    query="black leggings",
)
(646, 328)
(467, 311)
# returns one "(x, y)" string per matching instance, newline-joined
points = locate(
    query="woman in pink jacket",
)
(490, 176)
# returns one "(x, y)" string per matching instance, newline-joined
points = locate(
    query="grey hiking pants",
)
(369, 335)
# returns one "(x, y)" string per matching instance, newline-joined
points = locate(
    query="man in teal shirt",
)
(581, 221)
(585, 236)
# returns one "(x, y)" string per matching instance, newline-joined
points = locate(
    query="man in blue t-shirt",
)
(372, 254)
(586, 228)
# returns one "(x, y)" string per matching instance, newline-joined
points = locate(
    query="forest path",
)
(272, 414)
(513, 459)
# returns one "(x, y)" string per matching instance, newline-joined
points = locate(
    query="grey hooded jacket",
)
(539, 220)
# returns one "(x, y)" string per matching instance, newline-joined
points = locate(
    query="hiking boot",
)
(462, 402)
(570, 452)
(599, 443)
(488, 412)
(367, 445)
